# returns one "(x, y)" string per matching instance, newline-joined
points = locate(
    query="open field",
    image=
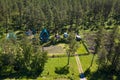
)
(52, 63)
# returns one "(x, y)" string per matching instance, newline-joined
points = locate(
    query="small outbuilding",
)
(78, 37)
(65, 35)
(11, 35)
(44, 35)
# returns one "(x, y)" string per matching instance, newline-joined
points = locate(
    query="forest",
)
(56, 14)
(97, 21)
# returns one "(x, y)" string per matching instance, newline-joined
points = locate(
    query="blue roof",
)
(44, 35)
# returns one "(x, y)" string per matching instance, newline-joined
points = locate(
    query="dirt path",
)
(54, 49)
(79, 66)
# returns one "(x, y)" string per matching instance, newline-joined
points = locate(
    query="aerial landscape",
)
(59, 39)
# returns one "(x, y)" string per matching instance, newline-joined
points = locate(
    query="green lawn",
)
(86, 62)
(81, 49)
(86, 59)
(59, 62)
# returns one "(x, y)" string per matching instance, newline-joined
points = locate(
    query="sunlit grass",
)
(49, 69)
(81, 49)
(86, 62)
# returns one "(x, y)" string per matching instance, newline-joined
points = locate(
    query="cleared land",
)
(53, 63)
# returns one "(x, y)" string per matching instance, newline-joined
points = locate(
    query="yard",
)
(53, 63)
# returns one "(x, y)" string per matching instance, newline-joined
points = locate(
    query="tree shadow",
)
(118, 77)
(102, 74)
(87, 72)
(19, 75)
(85, 46)
(62, 70)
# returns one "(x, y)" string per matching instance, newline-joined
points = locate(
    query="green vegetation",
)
(49, 70)
(21, 60)
(96, 21)
(81, 49)
(86, 62)
(57, 15)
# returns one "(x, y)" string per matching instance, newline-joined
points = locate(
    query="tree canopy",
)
(56, 14)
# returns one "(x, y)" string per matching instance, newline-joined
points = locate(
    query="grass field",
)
(86, 62)
(81, 49)
(52, 63)
(49, 70)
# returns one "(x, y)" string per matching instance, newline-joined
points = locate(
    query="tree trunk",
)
(68, 58)
(92, 60)
(20, 15)
(6, 23)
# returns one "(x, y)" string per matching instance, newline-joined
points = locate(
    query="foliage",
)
(107, 49)
(105, 45)
(101, 17)
(72, 43)
(21, 57)
(55, 15)
(72, 46)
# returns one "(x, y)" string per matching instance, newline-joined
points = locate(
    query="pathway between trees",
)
(79, 66)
